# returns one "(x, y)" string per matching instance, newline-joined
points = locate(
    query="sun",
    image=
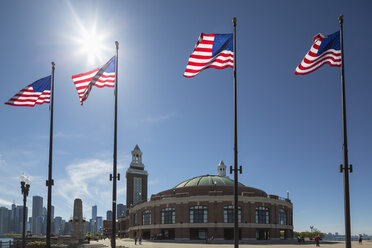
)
(92, 45)
(89, 40)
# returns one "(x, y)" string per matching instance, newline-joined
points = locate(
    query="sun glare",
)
(93, 46)
(88, 42)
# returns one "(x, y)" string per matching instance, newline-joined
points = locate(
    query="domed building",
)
(202, 208)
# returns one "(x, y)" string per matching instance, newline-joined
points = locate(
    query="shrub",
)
(36, 244)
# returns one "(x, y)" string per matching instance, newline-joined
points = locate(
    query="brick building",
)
(202, 207)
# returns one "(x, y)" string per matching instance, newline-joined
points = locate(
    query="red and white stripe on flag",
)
(28, 98)
(83, 80)
(202, 58)
(313, 61)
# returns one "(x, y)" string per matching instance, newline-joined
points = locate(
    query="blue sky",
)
(289, 127)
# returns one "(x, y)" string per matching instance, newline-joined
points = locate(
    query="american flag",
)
(211, 51)
(325, 50)
(36, 93)
(100, 77)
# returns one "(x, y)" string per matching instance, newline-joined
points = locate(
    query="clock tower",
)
(136, 179)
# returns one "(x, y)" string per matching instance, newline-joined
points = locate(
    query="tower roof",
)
(136, 148)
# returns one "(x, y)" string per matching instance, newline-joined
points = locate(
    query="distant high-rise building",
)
(94, 212)
(18, 222)
(99, 220)
(12, 221)
(93, 225)
(109, 215)
(4, 220)
(52, 227)
(52, 213)
(44, 211)
(67, 228)
(121, 210)
(86, 227)
(37, 208)
(58, 225)
(28, 226)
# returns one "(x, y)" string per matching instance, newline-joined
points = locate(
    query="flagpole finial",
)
(117, 44)
(341, 18)
(234, 20)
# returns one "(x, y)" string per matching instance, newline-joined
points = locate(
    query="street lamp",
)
(25, 186)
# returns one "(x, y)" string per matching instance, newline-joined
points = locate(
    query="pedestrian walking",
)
(360, 239)
(135, 240)
(317, 239)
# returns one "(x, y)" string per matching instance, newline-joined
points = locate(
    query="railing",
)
(6, 244)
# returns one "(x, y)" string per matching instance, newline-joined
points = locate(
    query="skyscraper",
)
(121, 209)
(94, 212)
(52, 212)
(37, 207)
(19, 218)
(109, 215)
(93, 221)
(58, 225)
(12, 219)
(99, 220)
(43, 220)
(4, 220)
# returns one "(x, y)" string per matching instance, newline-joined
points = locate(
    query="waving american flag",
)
(100, 77)
(36, 93)
(211, 51)
(325, 50)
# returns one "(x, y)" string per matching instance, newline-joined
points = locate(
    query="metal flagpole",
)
(345, 167)
(115, 176)
(236, 207)
(50, 181)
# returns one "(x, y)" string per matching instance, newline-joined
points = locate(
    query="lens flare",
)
(89, 40)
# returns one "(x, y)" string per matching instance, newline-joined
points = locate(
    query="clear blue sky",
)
(289, 127)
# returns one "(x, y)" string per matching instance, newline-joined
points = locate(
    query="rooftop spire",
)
(136, 158)
(221, 169)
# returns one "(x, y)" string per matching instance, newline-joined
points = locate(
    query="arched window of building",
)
(262, 215)
(135, 219)
(199, 214)
(282, 217)
(146, 217)
(168, 216)
(228, 214)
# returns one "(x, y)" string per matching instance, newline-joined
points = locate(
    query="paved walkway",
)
(255, 244)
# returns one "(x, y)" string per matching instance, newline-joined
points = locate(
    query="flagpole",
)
(114, 176)
(236, 207)
(50, 181)
(345, 167)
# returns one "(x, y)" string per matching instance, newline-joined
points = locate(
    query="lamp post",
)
(25, 186)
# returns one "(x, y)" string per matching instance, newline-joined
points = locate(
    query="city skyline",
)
(11, 220)
(289, 126)
(43, 208)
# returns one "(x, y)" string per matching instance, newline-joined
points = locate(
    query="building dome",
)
(207, 180)
(201, 208)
